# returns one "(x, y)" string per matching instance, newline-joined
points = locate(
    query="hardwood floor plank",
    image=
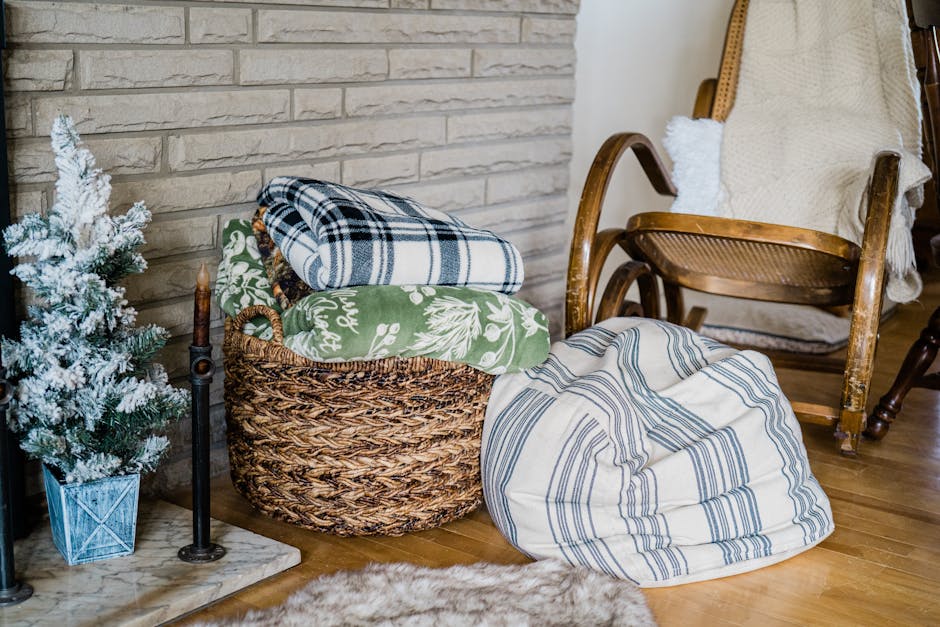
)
(881, 524)
(485, 550)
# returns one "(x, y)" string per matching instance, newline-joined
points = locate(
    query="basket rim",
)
(272, 351)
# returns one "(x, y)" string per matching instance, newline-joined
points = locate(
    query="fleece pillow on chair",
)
(695, 149)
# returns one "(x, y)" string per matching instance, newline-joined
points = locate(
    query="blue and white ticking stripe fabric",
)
(645, 451)
(336, 236)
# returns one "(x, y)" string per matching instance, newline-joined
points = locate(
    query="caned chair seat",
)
(731, 257)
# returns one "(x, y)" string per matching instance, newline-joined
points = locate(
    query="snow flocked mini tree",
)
(89, 400)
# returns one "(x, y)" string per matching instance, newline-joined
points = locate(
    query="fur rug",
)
(543, 593)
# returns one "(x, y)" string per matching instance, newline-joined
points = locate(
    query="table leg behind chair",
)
(918, 359)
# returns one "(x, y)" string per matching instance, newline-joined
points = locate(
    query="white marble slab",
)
(148, 587)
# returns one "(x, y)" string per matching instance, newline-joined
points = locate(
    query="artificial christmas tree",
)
(89, 401)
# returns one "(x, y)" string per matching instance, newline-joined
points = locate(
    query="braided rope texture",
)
(383, 447)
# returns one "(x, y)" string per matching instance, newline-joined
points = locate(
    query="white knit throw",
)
(824, 86)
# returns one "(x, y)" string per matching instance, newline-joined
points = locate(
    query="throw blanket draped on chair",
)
(648, 452)
(336, 236)
(824, 85)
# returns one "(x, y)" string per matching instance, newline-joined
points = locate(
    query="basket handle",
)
(254, 311)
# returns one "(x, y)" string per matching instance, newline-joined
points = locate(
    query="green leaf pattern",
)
(488, 330)
(241, 280)
(452, 326)
(327, 315)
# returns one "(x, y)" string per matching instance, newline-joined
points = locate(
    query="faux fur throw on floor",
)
(543, 593)
(824, 86)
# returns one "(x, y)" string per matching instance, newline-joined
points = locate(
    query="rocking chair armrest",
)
(580, 294)
(609, 155)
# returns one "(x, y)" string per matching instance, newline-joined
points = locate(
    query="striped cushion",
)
(648, 452)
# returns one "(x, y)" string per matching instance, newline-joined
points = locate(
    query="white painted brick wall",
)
(318, 104)
(280, 26)
(78, 23)
(219, 26)
(137, 69)
(38, 70)
(429, 62)
(191, 105)
(298, 66)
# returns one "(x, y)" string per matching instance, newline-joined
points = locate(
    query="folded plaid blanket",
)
(336, 236)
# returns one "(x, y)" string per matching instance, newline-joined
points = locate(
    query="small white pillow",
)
(695, 149)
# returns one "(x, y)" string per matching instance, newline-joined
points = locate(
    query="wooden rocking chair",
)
(735, 257)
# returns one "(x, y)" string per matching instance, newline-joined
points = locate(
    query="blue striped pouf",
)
(648, 452)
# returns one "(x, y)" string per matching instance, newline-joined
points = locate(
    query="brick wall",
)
(191, 106)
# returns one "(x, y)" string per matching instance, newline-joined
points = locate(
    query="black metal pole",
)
(12, 470)
(7, 312)
(11, 475)
(201, 369)
(11, 591)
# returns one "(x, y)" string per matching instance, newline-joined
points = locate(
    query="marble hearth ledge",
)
(148, 587)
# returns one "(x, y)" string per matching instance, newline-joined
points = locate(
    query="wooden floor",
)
(880, 567)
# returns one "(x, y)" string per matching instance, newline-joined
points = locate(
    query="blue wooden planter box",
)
(94, 520)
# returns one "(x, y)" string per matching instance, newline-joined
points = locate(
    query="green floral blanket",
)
(487, 330)
(242, 281)
(491, 331)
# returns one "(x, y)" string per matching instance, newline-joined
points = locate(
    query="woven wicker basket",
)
(352, 448)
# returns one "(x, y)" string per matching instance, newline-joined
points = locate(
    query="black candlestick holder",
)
(11, 590)
(201, 369)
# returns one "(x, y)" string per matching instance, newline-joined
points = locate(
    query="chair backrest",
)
(727, 84)
(716, 97)
(925, 16)
(925, 13)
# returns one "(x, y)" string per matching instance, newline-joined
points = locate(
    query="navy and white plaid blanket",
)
(336, 236)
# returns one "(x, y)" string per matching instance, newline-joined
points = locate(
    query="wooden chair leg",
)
(918, 359)
(849, 430)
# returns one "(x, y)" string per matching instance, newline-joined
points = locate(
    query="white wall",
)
(639, 63)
